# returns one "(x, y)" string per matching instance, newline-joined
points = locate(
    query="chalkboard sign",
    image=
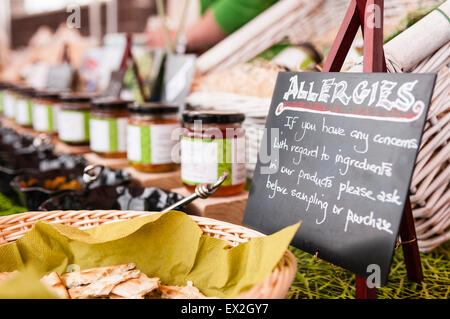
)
(338, 153)
(60, 77)
(115, 85)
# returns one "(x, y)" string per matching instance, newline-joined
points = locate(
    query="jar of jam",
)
(150, 137)
(9, 101)
(213, 143)
(24, 106)
(3, 87)
(45, 111)
(73, 118)
(108, 127)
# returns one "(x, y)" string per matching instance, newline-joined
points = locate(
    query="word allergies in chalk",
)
(376, 95)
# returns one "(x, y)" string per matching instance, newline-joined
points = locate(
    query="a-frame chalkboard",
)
(338, 153)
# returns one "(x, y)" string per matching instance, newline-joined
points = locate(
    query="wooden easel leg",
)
(364, 292)
(344, 39)
(373, 37)
(410, 246)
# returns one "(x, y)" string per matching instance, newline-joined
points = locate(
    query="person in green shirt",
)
(219, 19)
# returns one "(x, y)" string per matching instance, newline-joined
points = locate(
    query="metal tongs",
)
(90, 174)
(202, 191)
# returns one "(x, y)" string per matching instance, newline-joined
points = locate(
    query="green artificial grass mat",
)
(320, 280)
(10, 206)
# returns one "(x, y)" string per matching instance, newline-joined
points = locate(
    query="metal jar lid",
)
(152, 108)
(213, 117)
(76, 97)
(108, 103)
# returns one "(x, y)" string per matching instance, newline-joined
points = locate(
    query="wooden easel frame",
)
(369, 15)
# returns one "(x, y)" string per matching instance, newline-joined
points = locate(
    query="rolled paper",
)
(416, 43)
(420, 40)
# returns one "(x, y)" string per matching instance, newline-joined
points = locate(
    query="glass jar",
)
(150, 141)
(45, 111)
(213, 143)
(9, 101)
(3, 87)
(24, 106)
(73, 118)
(108, 127)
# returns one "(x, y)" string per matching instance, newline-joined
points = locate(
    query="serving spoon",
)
(202, 191)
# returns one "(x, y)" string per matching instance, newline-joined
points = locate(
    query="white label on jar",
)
(198, 161)
(9, 103)
(108, 135)
(203, 161)
(73, 126)
(162, 143)
(151, 144)
(23, 112)
(134, 152)
(56, 109)
(43, 118)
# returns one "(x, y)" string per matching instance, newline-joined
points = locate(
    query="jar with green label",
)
(24, 106)
(213, 143)
(3, 87)
(151, 137)
(73, 118)
(9, 101)
(45, 111)
(108, 127)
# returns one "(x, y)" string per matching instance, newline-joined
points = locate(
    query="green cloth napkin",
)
(169, 246)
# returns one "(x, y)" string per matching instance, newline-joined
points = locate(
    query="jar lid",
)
(109, 103)
(76, 97)
(153, 108)
(27, 91)
(48, 94)
(218, 117)
(10, 86)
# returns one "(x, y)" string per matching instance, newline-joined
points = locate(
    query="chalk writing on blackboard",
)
(369, 102)
(338, 153)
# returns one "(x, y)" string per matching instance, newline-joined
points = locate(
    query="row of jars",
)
(210, 143)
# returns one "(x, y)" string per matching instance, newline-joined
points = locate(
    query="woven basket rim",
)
(276, 285)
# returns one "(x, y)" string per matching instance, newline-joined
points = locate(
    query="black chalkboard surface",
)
(115, 85)
(338, 153)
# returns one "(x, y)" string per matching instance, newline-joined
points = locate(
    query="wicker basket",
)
(276, 285)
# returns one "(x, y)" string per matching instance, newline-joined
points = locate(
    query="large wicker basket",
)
(276, 285)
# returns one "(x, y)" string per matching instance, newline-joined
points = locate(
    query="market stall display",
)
(155, 149)
(270, 279)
